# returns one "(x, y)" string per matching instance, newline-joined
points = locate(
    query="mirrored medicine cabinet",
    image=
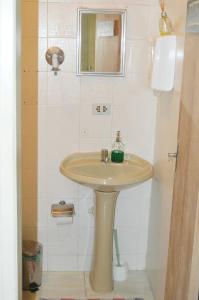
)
(101, 42)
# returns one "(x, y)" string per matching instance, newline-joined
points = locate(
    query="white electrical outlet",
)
(101, 109)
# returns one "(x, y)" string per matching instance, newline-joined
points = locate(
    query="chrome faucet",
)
(104, 155)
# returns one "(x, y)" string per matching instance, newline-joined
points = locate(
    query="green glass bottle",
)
(117, 154)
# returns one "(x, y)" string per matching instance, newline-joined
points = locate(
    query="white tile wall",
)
(62, 20)
(66, 125)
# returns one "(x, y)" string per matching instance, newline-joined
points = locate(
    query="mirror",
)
(101, 42)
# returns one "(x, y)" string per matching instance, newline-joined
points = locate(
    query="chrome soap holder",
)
(55, 57)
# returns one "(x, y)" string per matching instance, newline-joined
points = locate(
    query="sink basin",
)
(107, 179)
(87, 169)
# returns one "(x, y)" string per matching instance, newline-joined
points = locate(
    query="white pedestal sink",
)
(107, 179)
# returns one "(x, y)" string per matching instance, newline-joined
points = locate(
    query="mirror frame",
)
(123, 14)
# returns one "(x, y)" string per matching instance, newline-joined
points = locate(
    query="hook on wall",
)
(55, 57)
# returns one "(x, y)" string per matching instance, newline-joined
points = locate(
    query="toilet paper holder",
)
(62, 209)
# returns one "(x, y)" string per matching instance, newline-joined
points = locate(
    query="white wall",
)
(9, 246)
(66, 125)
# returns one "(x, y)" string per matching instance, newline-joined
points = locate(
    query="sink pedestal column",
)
(101, 276)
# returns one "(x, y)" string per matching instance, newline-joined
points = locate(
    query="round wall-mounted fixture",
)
(55, 57)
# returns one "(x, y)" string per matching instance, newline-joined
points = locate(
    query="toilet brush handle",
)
(116, 247)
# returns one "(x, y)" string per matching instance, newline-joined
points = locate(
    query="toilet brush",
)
(116, 247)
(120, 269)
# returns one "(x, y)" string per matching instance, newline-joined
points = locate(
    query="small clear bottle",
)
(165, 24)
(117, 154)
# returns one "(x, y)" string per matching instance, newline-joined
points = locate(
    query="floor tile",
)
(68, 279)
(73, 285)
(135, 286)
(63, 284)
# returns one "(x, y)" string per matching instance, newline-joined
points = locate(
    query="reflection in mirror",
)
(101, 42)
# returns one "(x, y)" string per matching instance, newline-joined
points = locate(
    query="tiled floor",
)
(76, 285)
